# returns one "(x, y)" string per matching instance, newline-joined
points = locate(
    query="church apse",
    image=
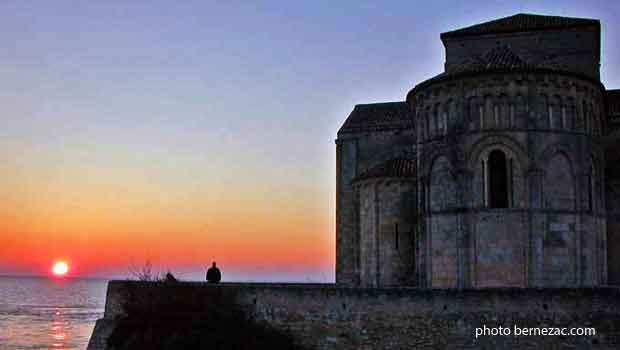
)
(509, 147)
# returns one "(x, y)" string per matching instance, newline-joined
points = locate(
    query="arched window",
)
(499, 180)
(421, 123)
(449, 113)
(545, 112)
(585, 114)
(564, 118)
(427, 122)
(555, 113)
(436, 121)
(521, 112)
(591, 188)
(473, 112)
(488, 114)
(596, 129)
(503, 115)
(570, 114)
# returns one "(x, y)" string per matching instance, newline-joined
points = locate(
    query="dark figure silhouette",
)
(170, 278)
(213, 274)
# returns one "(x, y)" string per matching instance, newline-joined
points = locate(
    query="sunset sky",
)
(186, 132)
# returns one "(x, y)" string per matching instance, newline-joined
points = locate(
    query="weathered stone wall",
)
(444, 250)
(386, 232)
(612, 193)
(329, 317)
(576, 50)
(499, 249)
(613, 233)
(356, 153)
(552, 231)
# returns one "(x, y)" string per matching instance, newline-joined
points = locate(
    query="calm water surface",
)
(42, 313)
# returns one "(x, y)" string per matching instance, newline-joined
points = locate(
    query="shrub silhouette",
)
(177, 316)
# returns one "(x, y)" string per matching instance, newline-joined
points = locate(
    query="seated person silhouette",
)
(170, 278)
(213, 274)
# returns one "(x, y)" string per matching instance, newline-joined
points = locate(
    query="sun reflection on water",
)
(59, 330)
(44, 314)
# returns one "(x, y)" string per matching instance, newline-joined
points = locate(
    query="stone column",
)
(464, 179)
(536, 228)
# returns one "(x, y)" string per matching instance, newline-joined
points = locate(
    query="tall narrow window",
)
(521, 109)
(590, 191)
(586, 121)
(511, 119)
(436, 117)
(428, 193)
(596, 125)
(396, 238)
(544, 113)
(511, 183)
(556, 116)
(591, 188)
(484, 184)
(498, 180)
(473, 109)
(564, 118)
(444, 123)
(571, 114)
(481, 115)
(550, 116)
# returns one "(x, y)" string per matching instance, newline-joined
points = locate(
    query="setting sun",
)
(60, 268)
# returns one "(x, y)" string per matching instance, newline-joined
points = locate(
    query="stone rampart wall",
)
(331, 317)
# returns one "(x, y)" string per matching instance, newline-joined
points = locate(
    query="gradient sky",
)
(203, 130)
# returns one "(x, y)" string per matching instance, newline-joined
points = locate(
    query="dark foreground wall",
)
(330, 317)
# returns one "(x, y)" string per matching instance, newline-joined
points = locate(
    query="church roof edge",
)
(520, 22)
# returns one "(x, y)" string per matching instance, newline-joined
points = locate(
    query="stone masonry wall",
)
(356, 153)
(576, 49)
(330, 317)
(552, 230)
(386, 228)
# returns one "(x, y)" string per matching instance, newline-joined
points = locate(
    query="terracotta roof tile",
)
(378, 116)
(501, 59)
(397, 167)
(522, 22)
(612, 98)
(497, 58)
(613, 102)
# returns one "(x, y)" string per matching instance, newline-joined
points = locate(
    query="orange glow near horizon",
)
(108, 222)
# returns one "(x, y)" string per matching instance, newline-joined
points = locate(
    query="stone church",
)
(504, 170)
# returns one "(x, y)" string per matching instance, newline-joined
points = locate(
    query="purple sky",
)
(224, 93)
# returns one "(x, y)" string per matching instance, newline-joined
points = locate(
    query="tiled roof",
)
(522, 22)
(378, 116)
(612, 98)
(612, 154)
(397, 167)
(613, 102)
(500, 57)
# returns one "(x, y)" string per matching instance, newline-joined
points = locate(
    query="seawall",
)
(323, 316)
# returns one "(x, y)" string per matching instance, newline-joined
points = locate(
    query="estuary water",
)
(46, 313)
